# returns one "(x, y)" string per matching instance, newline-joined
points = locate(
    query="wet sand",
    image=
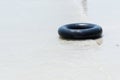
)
(32, 50)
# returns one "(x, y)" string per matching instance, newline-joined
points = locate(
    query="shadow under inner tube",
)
(80, 31)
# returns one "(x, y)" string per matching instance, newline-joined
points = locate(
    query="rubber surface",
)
(80, 31)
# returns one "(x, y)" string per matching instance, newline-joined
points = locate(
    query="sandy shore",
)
(30, 48)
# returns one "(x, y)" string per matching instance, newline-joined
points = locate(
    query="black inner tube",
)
(80, 31)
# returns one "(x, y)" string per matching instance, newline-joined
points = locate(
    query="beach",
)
(31, 49)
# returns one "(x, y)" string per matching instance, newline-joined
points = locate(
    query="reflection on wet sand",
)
(82, 44)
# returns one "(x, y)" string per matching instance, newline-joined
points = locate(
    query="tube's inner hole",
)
(79, 26)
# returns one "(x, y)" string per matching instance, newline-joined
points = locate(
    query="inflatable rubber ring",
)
(80, 31)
